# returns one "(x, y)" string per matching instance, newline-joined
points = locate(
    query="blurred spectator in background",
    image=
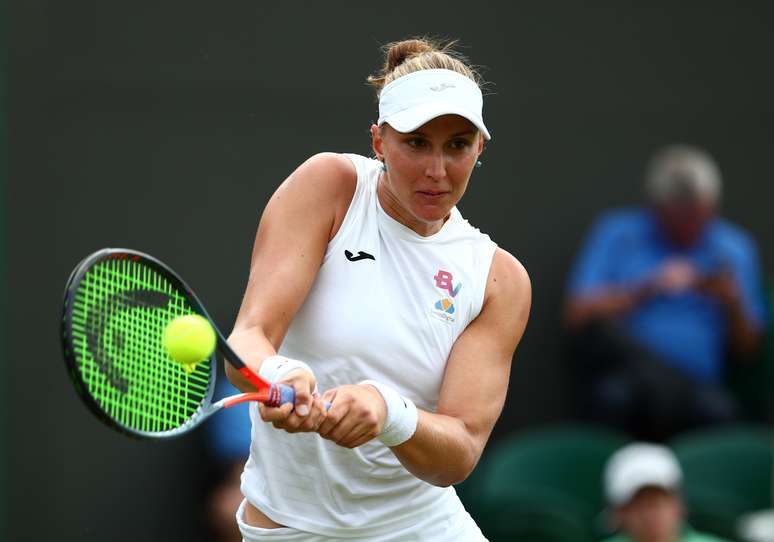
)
(658, 298)
(228, 444)
(642, 483)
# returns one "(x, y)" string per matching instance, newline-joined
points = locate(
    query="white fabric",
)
(436, 526)
(410, 101)
(637, 466)
(383, 319)
(757, 526)
(276, 367)
(402, 415)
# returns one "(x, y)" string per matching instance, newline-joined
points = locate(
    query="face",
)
(684, 221)
(427, 170)
(653, 515)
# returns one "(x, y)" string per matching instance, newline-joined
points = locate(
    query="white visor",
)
(414, 99)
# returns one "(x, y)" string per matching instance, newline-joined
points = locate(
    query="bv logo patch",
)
(444, 308)
(445, 281)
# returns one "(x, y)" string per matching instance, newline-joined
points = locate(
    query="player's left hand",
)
(357, 415)
(309, 410)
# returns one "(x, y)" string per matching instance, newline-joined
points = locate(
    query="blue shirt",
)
(688, 329)
(228, 431)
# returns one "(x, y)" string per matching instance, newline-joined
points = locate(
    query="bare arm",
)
(674, 275)
(297, 223)
(744, 335)
(448, 443)
(745, 338)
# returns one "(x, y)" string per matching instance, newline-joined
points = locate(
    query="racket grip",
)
(279, 394)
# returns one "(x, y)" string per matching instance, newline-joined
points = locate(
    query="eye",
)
(459, 144)
(416, 142)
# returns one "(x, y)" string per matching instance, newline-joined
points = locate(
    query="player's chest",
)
(386, 294)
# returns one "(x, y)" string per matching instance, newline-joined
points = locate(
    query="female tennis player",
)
(367, 282)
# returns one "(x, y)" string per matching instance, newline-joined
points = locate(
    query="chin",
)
(432, 215)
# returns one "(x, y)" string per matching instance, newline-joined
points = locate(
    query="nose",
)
(436, 166)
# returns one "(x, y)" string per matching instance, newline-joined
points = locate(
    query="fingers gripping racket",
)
(117, 304)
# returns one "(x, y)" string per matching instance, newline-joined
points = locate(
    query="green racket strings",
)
(119, 313)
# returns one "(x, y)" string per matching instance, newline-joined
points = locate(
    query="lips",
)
(431, 193)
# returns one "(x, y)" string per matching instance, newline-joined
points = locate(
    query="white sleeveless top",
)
(387, 304)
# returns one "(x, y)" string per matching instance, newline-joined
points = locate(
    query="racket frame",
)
(272, 395)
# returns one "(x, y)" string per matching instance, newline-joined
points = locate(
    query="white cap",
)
(638, 466)
(414, 99)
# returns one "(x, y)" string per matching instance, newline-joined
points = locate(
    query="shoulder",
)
(322, 186)
(732, 236)
(507, 302)
(326, 173)
(508, 284)
(505, 267)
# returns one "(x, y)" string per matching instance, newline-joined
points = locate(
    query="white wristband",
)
(274, 368)
(402, 415)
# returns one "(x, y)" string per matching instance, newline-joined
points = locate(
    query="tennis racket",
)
(117, 304)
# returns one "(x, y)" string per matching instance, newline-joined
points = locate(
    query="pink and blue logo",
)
(446, 305)
(445, 281)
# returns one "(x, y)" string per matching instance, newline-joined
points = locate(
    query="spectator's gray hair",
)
(683, 172)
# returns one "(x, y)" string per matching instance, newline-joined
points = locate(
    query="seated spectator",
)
(659, 297)
(642, 483)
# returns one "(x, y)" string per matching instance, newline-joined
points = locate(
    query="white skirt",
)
(434, 527)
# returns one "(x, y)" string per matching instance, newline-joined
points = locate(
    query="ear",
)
(480, 143)
(376, 142)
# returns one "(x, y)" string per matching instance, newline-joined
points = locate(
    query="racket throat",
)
(269, 394)
(228, 402)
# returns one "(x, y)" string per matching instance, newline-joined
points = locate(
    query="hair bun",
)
(407, 56)
(402, 50)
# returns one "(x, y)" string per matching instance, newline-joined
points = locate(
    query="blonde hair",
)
(412, 55)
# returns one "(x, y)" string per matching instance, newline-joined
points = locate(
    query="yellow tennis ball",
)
(189, 339)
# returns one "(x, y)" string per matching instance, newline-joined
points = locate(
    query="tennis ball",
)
(189, 339)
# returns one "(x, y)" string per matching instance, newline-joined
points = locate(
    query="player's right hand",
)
(306, 414)
(357, 415)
